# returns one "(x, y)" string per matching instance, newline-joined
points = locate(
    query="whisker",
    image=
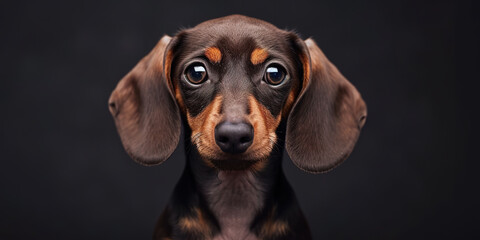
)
(274, 144)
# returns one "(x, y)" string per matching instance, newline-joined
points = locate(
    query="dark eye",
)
(196, 73)
(275, 74)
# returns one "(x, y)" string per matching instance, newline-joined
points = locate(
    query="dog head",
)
(235, 80)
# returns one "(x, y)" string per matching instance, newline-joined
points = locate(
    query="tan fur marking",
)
(259, 55)
(167, 66)
(179, 98)
(289, 103)
(213, 54)
(273, 227)
(294, 91)
(203, 128)
(196, 224)
(264, 125)
(306, 70)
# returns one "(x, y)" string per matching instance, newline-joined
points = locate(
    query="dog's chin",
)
(234, 164)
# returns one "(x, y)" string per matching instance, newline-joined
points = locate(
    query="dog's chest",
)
(235, 198)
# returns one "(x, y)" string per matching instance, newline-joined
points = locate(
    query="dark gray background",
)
(65, 175)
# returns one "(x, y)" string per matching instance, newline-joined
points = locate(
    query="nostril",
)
(245, 139)
(223, 139)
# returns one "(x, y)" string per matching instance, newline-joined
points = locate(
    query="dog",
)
(244, 91)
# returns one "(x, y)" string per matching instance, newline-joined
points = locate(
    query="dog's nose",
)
(234, 137)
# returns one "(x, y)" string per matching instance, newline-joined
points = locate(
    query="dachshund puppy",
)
(244, 90)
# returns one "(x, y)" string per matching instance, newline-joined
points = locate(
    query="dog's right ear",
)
(144, 109)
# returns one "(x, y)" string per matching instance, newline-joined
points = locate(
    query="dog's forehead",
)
(238, 27)
(235, 34)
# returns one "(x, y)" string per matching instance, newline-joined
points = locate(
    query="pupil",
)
(197, 73)
(275, 74)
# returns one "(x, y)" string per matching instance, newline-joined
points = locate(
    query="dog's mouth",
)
(234, 164)
(253, 160)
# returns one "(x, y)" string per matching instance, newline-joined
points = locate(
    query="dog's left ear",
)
(144, 110)
(325, 121)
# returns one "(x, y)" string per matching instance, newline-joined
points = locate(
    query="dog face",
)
(235, 80)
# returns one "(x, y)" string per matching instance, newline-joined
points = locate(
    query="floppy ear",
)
(326, 119)
(144, 110)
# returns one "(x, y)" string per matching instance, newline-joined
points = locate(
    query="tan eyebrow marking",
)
(258, 56)
(213, 54)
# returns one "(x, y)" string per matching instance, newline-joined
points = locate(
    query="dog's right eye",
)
(196, 73)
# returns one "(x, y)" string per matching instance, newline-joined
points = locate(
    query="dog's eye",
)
(275, 74)
(196, 73)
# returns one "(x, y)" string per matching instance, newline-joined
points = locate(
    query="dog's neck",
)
(235, 197)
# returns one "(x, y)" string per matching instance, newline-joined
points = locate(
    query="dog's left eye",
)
(196, 73)
(275, 74)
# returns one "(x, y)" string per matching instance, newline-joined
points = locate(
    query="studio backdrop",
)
(65, 175)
